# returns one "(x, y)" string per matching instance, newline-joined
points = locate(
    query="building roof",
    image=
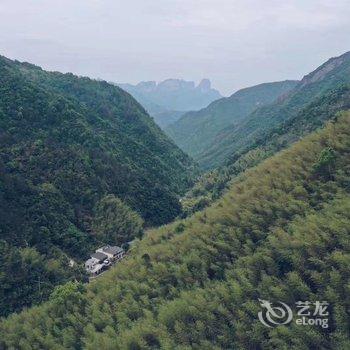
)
(112, 249)
(99, 256)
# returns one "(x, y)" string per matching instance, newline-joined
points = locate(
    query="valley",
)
(261, 211)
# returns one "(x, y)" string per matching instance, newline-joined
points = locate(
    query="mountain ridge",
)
(235, 138)
(195, 131)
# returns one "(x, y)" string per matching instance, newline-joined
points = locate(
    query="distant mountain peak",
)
(194, 132)
(147, 85)
(176, 84)
(204, 85)
(173, 94)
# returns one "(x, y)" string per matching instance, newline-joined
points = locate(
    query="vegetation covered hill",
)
(236, 138)
(212, 184)
(73, 150)
(281, 233)
(195, 131)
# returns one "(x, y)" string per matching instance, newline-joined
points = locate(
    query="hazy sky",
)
(235, 43)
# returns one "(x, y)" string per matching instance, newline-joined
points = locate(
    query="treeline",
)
(280, 233)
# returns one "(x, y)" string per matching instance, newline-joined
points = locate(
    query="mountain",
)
(212, 184)
(195, 131)
(166, 101)
(237, 137)
(173, 94)
(279, 234)
(73, 150)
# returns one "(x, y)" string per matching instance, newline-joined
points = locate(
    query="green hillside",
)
(235, 138)
(195, 131)
(281, 233)
(67, 144)
(212, 184)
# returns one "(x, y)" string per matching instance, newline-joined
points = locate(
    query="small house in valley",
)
(103, 258)
(114, 253)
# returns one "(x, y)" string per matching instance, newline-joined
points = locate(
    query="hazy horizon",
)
(235, 44)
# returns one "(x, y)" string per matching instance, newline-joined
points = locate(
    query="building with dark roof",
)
(99, 256)
(103, 258)
(113, 252)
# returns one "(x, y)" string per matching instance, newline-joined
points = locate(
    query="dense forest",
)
(72, 152)
(280, 233)
(174, 175)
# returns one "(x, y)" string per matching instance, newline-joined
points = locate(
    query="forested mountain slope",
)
(236, 138)
(212, 184)
(195, 131)
(67, 144)
(281, 233)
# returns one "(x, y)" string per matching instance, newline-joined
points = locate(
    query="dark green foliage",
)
(92, 138)
(279, 233)
(67, 142)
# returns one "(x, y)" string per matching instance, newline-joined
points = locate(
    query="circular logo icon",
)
(272, 316)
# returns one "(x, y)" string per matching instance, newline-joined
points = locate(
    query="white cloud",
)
(234, 42)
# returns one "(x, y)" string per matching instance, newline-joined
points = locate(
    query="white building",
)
(102, 259)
